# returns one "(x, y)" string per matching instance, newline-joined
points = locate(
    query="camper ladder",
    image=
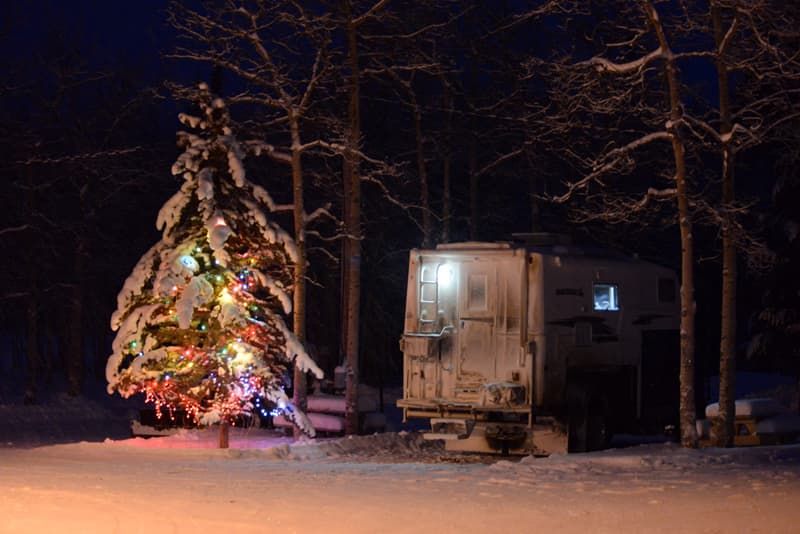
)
(428, 298)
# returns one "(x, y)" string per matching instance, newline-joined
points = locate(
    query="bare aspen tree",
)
(68, 160)
(351, 255)
(727, 360)
(371, 29)
(614, 88)
(283, 57)
(351, 247)
(687, 334)
(749, 40)
(616, 94)
(505, 125)
(408, 65)
(447, 164)
(34, 358)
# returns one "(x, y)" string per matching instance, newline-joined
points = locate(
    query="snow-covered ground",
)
(393, 482)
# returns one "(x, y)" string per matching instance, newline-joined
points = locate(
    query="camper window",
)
(477, 292)
(606, 297)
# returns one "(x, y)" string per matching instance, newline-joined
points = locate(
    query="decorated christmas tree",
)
(199, 321)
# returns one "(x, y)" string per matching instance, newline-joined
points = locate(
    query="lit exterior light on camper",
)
(444, 275)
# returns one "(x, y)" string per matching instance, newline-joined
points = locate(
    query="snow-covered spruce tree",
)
(199, 320)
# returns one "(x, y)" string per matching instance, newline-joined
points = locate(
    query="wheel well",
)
(601, 401)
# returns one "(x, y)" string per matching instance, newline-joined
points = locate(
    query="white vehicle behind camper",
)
(536, 347)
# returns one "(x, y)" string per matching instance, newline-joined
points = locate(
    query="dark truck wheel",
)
(587, 420)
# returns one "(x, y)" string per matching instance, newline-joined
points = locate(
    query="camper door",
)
(476, 323)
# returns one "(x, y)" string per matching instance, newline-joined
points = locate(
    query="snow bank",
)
(320, 402)
(63, 419)
(388, 483)
(391, 483)
(750, 408)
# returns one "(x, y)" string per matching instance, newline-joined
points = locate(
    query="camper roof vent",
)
(473, 245)
(543, 238)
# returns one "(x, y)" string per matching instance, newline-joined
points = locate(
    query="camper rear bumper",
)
(449, 409)
(466, 427)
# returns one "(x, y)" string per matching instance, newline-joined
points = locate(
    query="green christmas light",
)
(205, 288)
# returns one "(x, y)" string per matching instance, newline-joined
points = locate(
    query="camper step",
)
(442, 428)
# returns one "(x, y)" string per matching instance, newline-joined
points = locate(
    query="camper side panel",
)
(589, 315)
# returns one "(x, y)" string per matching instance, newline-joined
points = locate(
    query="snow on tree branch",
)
(78, 157)
(608, 162)
(198, 322)
(15, 229)
(604, 65)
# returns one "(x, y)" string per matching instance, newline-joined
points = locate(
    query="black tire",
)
(577, 418)
(587, 420)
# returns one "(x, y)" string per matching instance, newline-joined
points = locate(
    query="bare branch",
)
(320, 213)
(609, 162)
(358, 21)
(15, 229)
(499, 161)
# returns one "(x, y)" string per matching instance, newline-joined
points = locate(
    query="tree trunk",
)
(424, 198)
(797, 399)
(223, 435)
(688, 428)
(473, 153)
(351, 266)
(299, 397)
(536, 219)
(446, 200)
(473, 190)
(727, 346)
(33, 356)
(687, 337)
(76, 367)
(447, 104)
(75, 363)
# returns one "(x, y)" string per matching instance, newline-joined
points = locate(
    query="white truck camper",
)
(538, 347)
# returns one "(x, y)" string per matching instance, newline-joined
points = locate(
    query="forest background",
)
(417, 124)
